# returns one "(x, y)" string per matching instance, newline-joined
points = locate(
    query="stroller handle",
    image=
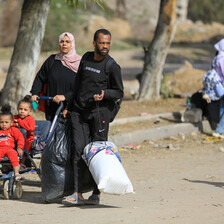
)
(53, 124)
(45, 98)
(61, 105)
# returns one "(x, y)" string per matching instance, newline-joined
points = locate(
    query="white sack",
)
(106, 168)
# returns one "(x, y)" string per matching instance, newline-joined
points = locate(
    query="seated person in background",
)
(24, 120)
(8, 136)
(212, 108)
(218, 66)
(210, 80)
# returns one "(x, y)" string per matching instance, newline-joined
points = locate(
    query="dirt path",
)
(183, 184)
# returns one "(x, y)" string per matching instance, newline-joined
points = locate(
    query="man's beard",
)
(98, 51)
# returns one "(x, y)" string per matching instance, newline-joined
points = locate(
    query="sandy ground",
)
(176, 180)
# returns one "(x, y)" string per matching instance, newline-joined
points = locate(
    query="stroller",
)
(12, 189)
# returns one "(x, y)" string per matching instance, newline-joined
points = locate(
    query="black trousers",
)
(86, 127)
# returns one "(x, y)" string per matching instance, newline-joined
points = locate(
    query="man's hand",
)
(98, 97)
(58, 98)
(207, 98)
(20, 151)
(65, 112)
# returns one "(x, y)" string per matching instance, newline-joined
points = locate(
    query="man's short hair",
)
(103, 31)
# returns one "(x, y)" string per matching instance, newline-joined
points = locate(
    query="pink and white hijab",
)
(71, 59)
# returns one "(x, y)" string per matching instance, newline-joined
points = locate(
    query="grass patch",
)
(165, 89)
(6, 53)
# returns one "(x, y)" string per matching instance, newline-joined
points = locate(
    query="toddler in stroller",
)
(24, 120)
(8, 137)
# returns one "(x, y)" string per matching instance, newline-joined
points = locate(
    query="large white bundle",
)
(102, 159)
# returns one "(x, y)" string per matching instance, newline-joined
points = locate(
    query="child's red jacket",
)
(9, 137)
(27, 123)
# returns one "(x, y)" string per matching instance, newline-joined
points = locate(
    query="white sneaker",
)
(217, 135)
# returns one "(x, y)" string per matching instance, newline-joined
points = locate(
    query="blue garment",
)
(210, 80)
(218, 65)
(220, 127)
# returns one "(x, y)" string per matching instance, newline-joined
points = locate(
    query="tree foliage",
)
(206, 10)
(78, 3)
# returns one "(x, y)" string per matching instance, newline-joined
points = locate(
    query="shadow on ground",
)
(216, 184)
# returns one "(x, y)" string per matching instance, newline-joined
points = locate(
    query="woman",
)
(57, 75)
(218, 65)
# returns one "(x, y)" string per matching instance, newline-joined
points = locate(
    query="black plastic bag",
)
(56, 168)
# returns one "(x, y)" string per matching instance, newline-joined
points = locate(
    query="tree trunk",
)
(121, 8)
(26, 51)
(156, 55)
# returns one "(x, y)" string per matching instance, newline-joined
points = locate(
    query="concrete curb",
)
(158, 133)
(144, 118)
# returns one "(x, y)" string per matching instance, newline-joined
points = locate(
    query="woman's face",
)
(65, 45)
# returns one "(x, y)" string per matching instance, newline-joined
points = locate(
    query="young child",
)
(8, 136)
(24, 120)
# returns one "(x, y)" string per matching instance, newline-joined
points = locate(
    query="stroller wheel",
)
(17, 190)
(6, 189)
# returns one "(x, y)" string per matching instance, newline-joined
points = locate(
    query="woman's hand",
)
(34, 98)
(58, 98)
(207, 98)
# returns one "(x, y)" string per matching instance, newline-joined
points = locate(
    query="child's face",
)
(24, 110)
(5, 122)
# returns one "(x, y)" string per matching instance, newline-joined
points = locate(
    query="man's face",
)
(102, 44)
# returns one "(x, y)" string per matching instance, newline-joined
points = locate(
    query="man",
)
(95, 89)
